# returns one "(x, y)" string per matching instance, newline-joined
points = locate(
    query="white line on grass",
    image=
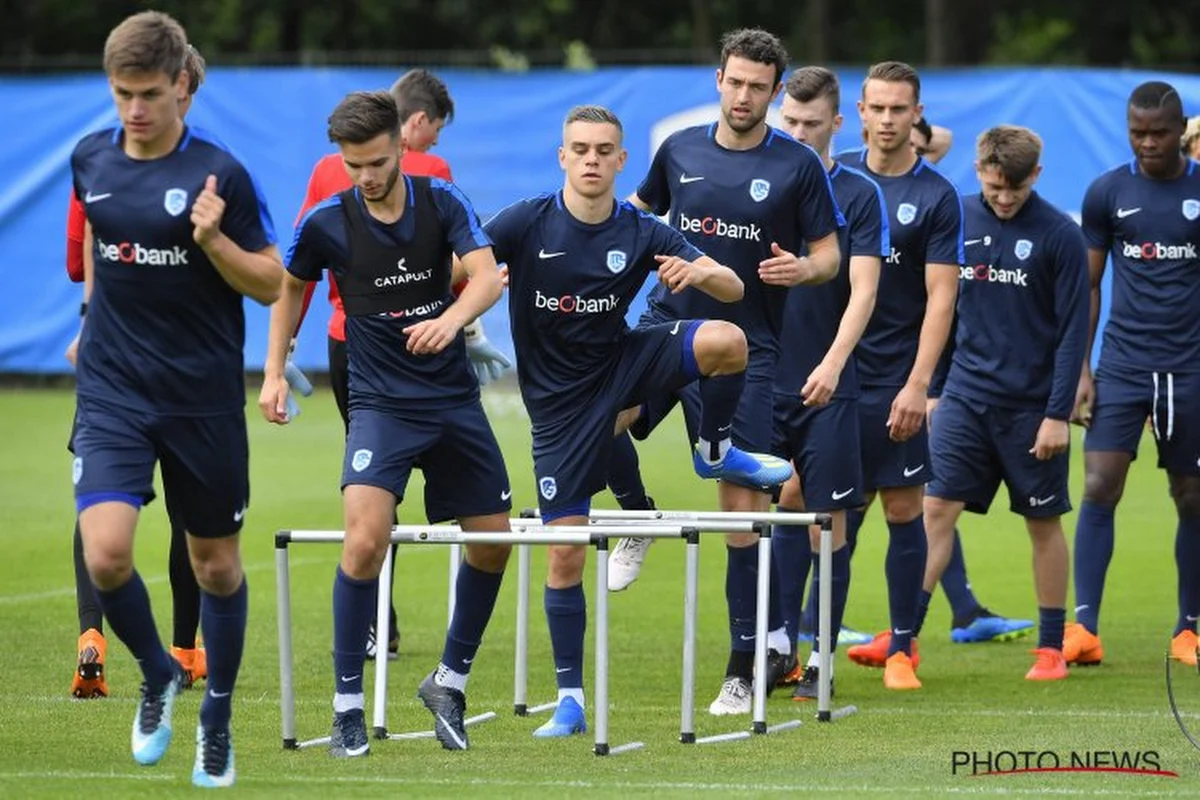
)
(975, 789)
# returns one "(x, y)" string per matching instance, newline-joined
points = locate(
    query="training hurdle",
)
(523, 533)
(726, 521)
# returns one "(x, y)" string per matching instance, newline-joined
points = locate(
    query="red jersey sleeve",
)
(76, 225)
(327, 179)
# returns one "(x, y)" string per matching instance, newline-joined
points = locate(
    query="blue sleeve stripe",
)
(481, 238)
(328, 202)
(962, 222)
(264, 215)
(885, 231)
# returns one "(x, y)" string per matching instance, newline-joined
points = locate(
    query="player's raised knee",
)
(720, 347)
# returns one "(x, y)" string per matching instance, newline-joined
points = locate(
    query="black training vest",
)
(411, 279)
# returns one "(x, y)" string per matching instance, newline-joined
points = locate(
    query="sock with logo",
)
(625, 475)
(839, 593)
(128, 611)
(963, 604)
(566, 615)
(719, 396)
(185, 591)
(905, 571)
(224, 621)
(1187, 564)
(791, 554)
(475, 597)
(1051, 622)
(353, 609)
(1093, 550)
(741, 594)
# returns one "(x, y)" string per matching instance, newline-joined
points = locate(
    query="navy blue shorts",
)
(975, 446)
(887, 464)
(1125, 400)
(571, 453)
(205, 463)
(454, 447)
(823, 444)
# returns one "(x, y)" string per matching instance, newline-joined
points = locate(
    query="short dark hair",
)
(895, 72)
(421, 90)
(149, 41)
(591, 113)
(195, 65)
(808, 83)
(361, 116)
(1155, 95)
(1012, 149)
(757, 45)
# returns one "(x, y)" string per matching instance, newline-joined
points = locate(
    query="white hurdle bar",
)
(825, 713)
(522, 533)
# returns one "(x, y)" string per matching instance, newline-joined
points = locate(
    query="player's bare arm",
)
(717, 281)
(483, 289)
(864, 284)
(908, 409)
(285, 313)
(1085, 395)
(788, 269)
(257, 274)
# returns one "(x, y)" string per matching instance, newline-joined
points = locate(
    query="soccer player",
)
(1146, 215)
(753, 198)
(576, 259)
(1009, 391)
(816, 384)
(413, 398)
(182, 234)
(901, 347)
(89, 679)
(425, 108)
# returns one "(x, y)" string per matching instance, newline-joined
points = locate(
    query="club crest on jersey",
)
(906, 213)
(175, 201)
(1023, 249)
(615, 260)
(759, 189)
(548, 487)
(1191, 209)
(361, 460)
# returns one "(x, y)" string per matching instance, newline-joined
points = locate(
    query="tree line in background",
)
(40, 35)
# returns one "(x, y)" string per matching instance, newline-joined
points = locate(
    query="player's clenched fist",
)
(272, 400)
(207, 212)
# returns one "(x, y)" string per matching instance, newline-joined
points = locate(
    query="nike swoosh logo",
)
(349, 678)
(675, 330)
(746, 638)
(1190, 618)
(503, 496)
(971, 242)
(457, 739)
(840, 495)
(1041, 501)
(685, 178)
(562, 670)
(904, 632)
(1081, 608)
(96, 198)
(544, 255)
(724, 428)
(908, 473)
(1122, 213)
(238, 515)
(468, 660)
(217, 695)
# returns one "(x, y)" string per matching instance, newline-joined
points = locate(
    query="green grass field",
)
(975, 698)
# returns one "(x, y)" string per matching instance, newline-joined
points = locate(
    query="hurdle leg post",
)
(455, 563)
(601, 748)
(521, 668)
(825, 621)
(762, 609)
(687, 718)
(382, 603)
(283, 600)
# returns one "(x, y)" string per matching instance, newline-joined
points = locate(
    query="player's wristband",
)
(83, 309)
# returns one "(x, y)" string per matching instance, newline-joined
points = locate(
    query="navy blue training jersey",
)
(925, 226)
(813, 314)
(733, 204)
(164, 331)
(1022, 309)
(1152, 230)
(437, 219)
(570, 285)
